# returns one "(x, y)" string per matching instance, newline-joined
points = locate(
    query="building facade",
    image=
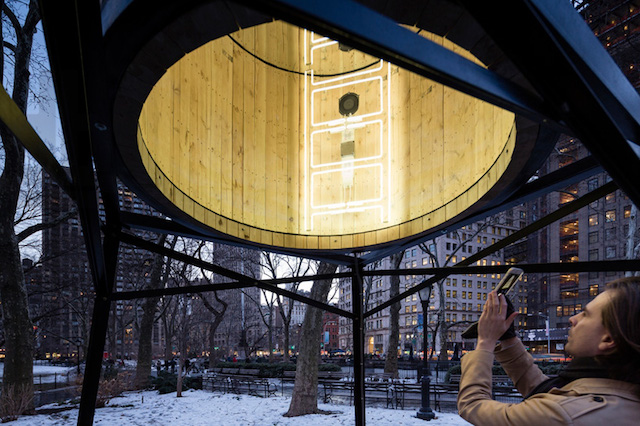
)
(453, 303)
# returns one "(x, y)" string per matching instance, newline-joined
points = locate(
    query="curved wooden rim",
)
(162, 46)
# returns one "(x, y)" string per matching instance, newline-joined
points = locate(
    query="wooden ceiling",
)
(245, 136)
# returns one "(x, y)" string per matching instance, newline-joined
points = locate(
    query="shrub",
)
(112, 387)
(329, 367)
(15, 401)
(168, 382)
(275, 369)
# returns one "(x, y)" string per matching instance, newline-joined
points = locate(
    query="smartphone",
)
(504, 287)
(509, 280)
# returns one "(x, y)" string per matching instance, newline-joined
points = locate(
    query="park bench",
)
(239, 383)
(333, 381)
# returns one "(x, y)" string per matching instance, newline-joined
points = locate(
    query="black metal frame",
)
(582, 92)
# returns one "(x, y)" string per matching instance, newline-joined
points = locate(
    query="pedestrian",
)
(600, 385)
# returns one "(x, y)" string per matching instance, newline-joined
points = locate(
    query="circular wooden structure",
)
(244, 136)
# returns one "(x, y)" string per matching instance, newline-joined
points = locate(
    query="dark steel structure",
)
(547, 67)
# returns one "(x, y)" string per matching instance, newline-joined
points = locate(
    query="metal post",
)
(98, 333)
(93, 367)
(546, 323)
(358, 345)
(425, 412)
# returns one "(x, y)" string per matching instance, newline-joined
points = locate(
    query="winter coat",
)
(586, 401)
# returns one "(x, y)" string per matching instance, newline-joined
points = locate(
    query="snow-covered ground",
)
(206, 408)
(48, 373)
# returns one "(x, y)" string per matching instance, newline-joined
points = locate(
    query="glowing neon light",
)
(340, 129)
(352, 83)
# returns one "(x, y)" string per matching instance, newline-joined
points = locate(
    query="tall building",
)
(596, 232)
(61, 293)
(599, 231)
(242, 327)
(61, 289)
(454, 302)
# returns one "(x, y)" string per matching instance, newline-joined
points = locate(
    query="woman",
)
(600, 385)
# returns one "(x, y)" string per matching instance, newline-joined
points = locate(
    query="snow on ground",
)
(46, 373)
(205, 408)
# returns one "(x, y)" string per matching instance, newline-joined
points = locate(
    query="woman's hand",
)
(492, 323)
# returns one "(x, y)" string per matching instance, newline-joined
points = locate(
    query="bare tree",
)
(18, 329)
(305, 389)
(158, 279)
(391, 359)
(279, 266)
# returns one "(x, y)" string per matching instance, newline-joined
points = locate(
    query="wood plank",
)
(270, 146)
(281, 154)
(226, 116)
(249, 143)
(260, 132)
(237, 134)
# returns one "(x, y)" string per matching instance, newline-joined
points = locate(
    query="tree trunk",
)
(149, 308)
(212, 340)
(179, 381)
(391, 359)
(305, 389)
(18, 330)
(286, 325)
(145, 348)
(270, 331)
(18, 363)
(218, 316)
(442, 329)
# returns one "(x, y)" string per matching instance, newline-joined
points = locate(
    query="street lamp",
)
(425, 412)
(547, 329)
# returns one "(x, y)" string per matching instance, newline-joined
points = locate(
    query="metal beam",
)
(16, 121)
(165, 226)
(565, 62)
(358, 344)
(539, 224)
(378, 35)
(60, 23)
(93, 56)
(531, 268)
(561, 178)
(243, 280)
(97, 336)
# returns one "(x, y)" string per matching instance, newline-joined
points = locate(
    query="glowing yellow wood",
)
(223, 137)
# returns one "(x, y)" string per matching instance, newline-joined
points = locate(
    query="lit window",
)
(610, 216)
(593, 219)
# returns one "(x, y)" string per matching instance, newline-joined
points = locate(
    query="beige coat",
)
(589, 401)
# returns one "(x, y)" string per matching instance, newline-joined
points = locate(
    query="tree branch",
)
(45, 225)
(13, 19)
